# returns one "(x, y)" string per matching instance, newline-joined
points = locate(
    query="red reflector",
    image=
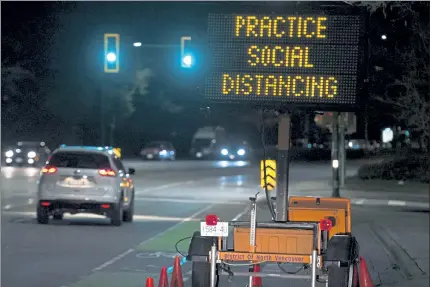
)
(45, 203)
(107, 172)
(211, 219)
(49, 169)
(105, 206)
(326, 224)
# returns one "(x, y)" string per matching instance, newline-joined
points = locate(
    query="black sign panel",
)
(303, 59)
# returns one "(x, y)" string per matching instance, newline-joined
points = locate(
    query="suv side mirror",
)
(131, 171)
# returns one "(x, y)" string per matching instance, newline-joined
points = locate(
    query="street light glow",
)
(111, 57)
(187, 61)
(137, 44)
(384, 37)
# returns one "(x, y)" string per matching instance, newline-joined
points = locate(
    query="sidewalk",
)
(413, 195)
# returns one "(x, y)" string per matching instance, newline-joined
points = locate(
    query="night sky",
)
(62, 44)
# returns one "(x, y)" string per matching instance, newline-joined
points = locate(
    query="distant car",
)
(234, 151)
(158, 151)
(203, 148)
(29, 153)
(85, 180)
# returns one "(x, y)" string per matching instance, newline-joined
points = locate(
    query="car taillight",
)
(49, 170)
(211, 219)
(326, 224)
(107, 172)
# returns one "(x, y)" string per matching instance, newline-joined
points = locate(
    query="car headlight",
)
(9, 153)
(163, 152)
(241, 151)
(224, 151)
(31, 154)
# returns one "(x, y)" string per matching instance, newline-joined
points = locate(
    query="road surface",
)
(171, 199)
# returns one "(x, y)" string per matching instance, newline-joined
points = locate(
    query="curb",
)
(394, 203)
(376, 202)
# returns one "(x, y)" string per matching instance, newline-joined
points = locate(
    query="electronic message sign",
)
(301, 59)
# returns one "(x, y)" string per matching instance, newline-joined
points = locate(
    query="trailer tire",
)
(338, 276)
(343, 276)
(201, 271)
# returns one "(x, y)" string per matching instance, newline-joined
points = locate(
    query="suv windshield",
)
(199, 143)
(80, 160)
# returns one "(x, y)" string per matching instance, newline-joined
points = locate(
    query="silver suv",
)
(85, 180)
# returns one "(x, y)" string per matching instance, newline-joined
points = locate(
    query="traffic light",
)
(111, 55)
(187, 59)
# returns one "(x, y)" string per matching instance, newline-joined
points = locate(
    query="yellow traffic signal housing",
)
(111, 55)
(268, 177)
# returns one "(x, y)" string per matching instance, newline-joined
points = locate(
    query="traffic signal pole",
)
(342, 151)
(282, 166)
(335, 154)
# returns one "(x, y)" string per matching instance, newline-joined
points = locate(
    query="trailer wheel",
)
(201, 273)
(343, 276)
(201, 270)
(338, 277)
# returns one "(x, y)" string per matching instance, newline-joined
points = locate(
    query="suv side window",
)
(119, 164)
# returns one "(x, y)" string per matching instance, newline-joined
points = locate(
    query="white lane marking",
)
(113, 260)
(245, 211)
(164, 186)
(10, 206)
(359, 201)
(190, 218)
(136, 217)
(180, 200)
(396, 203)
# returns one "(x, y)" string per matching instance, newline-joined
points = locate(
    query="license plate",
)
(18, 159)
(69, 181)
(219, 230)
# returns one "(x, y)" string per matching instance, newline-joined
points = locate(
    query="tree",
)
(405, 70)
(13, 72)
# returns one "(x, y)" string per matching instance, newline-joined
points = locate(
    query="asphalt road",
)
(171, 199)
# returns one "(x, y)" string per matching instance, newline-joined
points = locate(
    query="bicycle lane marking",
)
(118, 257)
(110, 275)
(188, 219)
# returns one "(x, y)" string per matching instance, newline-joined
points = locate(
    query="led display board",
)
(301, 59)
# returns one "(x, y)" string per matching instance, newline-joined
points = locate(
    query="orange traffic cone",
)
(256, 280)
(365, 280)
(149, 282)
(177, 280)
(164, 281)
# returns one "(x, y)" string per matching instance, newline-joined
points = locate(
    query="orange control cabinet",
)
(313, 209)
